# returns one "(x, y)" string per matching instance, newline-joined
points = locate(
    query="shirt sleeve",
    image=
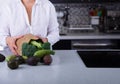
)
(4, 26)
(53, 30)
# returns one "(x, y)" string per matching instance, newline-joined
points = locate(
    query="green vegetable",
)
(13, 64)
(20, 60)
(41, 53)
(37, 44)
(46, 45)
(11, 57)
(28, 49)
(25, 57)
(40, 45)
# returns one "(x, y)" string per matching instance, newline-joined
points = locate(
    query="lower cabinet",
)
(79, 44)
(62, 45)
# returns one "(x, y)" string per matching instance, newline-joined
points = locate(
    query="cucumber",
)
(11, 57)
(41, 53)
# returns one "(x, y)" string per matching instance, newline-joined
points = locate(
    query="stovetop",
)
(100, 59)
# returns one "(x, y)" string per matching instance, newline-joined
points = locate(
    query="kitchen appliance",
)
(62, 15)
(100, 59)
(93, 44)
(112, 24)
(98, 53)
(94, 20)
(80, 29)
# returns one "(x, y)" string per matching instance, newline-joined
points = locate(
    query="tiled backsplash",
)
(79, 13)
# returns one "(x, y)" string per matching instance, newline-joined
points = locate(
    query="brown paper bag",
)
(26, 38)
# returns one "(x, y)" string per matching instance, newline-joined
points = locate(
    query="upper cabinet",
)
(58, 1)
(103, 1)
(80, 1)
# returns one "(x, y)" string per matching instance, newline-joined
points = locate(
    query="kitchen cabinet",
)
(87, 44)
(58, 1)
(67, 1)
(80, 1)
(94, 41)
(62, 45)
(76, 1)
(102, 1)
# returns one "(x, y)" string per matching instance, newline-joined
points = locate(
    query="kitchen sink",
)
(100, 59)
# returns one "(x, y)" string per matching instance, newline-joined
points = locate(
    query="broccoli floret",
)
(46, 45)
(28, 49)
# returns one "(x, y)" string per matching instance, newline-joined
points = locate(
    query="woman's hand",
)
(43, 39)
(11, 42)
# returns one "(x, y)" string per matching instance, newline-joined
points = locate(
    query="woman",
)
(21, 17)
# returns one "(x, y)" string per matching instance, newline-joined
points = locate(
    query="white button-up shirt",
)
(14, 21)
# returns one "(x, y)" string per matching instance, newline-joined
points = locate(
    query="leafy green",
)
(46, 45)
(28, 49)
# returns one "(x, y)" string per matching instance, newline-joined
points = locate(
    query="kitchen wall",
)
(79, 12)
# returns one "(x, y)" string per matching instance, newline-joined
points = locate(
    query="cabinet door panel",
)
(79, 1)
(74, 1)
(62, 45)
(58, 1)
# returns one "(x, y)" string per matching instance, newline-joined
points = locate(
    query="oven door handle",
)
(90, 44)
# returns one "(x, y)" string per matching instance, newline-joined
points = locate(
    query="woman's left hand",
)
(43, 39)
(11, 42)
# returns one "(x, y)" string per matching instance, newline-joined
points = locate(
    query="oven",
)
(84, 44)
(102, 53)
(95, 44)
(100, 59)
(112, 23)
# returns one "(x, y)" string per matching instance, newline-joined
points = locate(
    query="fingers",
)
(18, 37)
(43, 39)
(11, 43)
(37, 37)
(13, 49)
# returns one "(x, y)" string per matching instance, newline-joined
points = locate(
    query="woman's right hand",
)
(11, 42)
